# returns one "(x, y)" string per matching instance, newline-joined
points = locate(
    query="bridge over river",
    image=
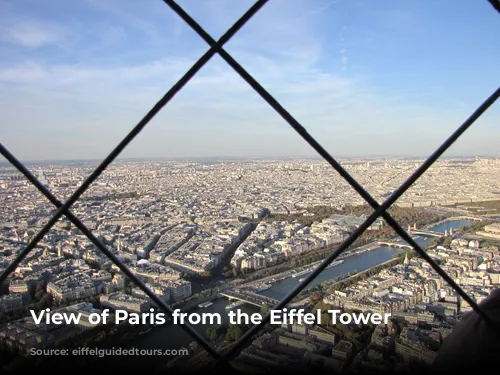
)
(250, 297)
(428, 233)
(395, 244)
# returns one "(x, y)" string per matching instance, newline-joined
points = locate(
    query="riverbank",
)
(351, 279)
(450, 219)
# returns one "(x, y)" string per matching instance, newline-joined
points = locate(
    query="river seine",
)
(171, 336)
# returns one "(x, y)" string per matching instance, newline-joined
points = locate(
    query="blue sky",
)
(365, 77)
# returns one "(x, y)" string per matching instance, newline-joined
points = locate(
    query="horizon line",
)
(223, 158)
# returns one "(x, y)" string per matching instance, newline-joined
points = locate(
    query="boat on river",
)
(336, 263)
(262, 287)
(205, 304)
(235, 304)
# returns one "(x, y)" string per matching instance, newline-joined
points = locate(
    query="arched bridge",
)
(395, 244)
(428, 233)
(250, 297)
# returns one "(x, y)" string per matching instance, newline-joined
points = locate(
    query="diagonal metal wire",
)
(495, 4)
(135, 131)
(379, 211)
(98, 243)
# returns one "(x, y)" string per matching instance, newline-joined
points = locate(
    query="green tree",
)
(211, 333)
(234, 332)
(320, 306)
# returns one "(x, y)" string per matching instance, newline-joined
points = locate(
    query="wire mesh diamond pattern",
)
(379, 210)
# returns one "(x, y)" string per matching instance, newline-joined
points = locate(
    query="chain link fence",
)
(379, 210)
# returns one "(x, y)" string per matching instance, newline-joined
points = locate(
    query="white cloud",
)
(344, 114)
(29, 73)
(323, 7)
(32, 33)
(148, 18)
(344, 62)
(111, 34)
(62, 76)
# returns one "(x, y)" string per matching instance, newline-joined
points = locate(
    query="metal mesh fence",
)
(379, 210)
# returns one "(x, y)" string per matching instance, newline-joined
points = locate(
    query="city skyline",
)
(387, 79)
(230, 158)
